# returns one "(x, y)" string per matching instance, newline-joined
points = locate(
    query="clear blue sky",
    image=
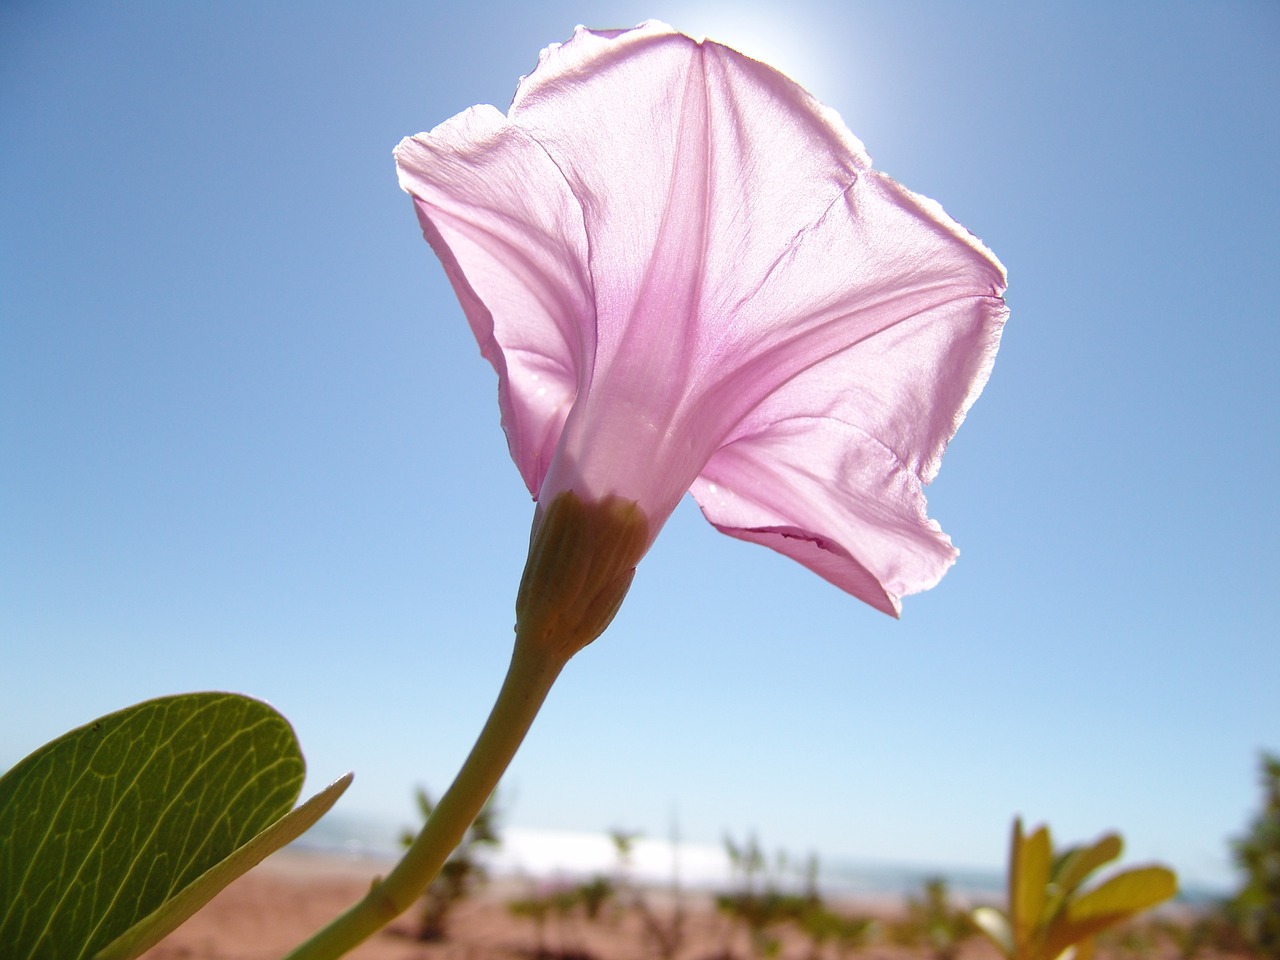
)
(247, 441)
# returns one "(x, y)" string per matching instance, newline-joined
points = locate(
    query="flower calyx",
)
(582, 559)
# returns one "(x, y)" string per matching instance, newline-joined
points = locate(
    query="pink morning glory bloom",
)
(688, 277)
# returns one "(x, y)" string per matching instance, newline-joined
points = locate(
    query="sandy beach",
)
(290, 895)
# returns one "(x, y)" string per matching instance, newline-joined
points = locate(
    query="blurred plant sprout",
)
(664, 930)
(1049, 916)
(932, 921)
(759, 903)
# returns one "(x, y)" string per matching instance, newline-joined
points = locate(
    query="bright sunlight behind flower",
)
(688, 277)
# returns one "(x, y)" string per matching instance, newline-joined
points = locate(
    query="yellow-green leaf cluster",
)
(1050, 916)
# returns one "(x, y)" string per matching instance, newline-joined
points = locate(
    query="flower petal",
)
(696, 169)
(805, 476)
(887, 311)
(775, 488)
(501, 219)
(687, 274)
(828, 468)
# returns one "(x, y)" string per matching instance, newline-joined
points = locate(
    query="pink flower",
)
(688, 277)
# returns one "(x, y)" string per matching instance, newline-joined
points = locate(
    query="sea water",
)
(573, 855)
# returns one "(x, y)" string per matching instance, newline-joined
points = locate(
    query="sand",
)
(275, 907)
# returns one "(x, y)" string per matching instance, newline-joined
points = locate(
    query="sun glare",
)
(765, 35)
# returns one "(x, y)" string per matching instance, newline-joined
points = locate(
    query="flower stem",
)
(529, 678)
(582, 558)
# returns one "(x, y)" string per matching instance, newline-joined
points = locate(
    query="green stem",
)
(529, 678)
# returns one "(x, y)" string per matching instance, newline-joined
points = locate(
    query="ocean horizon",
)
(547, 854)
(567, 855)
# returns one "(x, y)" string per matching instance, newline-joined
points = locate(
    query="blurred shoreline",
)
(656, 864)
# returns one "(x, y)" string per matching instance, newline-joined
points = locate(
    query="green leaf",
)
(1116, 900)
(1028, 882)
(154, 927)
(102, 826)
(1015, 876)
(1129, 892)
(1076, 866)
(1073, 867)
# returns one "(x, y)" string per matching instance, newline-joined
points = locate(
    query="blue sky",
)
(247, 442)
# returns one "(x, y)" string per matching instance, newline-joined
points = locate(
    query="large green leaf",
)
(154, 927)
(101, 827)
